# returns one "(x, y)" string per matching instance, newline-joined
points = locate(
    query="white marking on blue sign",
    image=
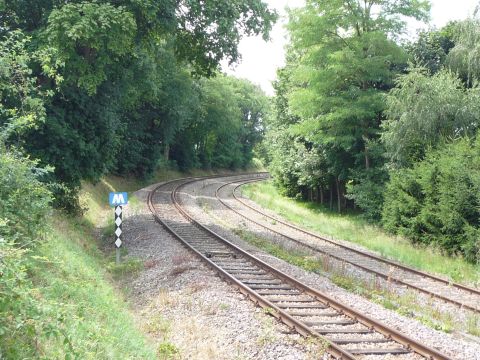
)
(118, 198)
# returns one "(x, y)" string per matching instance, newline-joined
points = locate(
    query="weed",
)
(223, 307)
(128, 267)
(165, 299)
(294, 257)
(268, 332)
(316, 347)
(210, 310)
(167, 351)
(157, 324)
(268, 310)
(473, 325)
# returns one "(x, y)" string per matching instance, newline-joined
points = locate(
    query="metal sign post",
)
(118, 231)
(118, 200)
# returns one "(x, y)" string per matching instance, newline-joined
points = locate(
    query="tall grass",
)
(351, 227)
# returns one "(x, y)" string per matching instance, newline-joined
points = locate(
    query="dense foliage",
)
(342, 61)
(422, 204)
(127, 87)
(361, 120)
(24, 204)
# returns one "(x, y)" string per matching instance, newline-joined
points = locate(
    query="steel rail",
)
(297, 325)
(363, 253)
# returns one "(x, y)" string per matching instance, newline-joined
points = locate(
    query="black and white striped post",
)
(118, 231)
(117, 200)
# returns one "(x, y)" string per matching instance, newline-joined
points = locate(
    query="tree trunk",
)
(310, 194)
(331, 197)
(320, 191)
(166, 152)
(339, 196)
(367, 155)
(367, 158)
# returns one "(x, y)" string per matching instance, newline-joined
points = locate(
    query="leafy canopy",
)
(422, 111)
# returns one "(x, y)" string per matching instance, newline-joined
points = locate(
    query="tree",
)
(422, 205)
(21, 101)
(204, 32)
(432, 47)
(226, 127)
(254, 107)
(344, 61)
(464, 57)
(124, 75)
(422, 111)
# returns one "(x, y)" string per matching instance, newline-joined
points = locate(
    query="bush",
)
(24, 200)
(437, 202)
(24, 205)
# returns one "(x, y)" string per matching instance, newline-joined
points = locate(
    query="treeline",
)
(95, 87)
(91, 87)
(364, 120)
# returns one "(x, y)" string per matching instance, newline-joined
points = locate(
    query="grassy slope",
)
(97, 321)
(353, 228)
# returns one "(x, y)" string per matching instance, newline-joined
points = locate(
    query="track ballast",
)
(347, 333)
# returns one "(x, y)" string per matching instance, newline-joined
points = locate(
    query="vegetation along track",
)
(436, 287)
(347, 333)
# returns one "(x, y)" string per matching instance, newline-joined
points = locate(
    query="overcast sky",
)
(261, 59)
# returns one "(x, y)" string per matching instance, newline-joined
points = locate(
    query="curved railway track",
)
(434, 286)
(348, 333)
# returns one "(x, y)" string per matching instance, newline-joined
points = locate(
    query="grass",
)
(351, 227)
(96, 320)
(68, 291)
(405, 304)
(473, 325)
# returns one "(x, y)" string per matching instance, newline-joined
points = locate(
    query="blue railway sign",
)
(118, 198)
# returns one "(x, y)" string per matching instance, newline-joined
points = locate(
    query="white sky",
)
(261, 59)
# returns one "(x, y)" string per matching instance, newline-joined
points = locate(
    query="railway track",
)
(434, 286)
(347, 333)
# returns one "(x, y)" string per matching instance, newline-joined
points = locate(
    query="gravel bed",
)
(179, 301)
(457, 348)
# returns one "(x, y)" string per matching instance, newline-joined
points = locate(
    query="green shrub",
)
(24, 205)
(24, 200)
(437, 202)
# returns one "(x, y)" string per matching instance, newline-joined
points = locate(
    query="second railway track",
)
(434, 286)
(347, 333)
